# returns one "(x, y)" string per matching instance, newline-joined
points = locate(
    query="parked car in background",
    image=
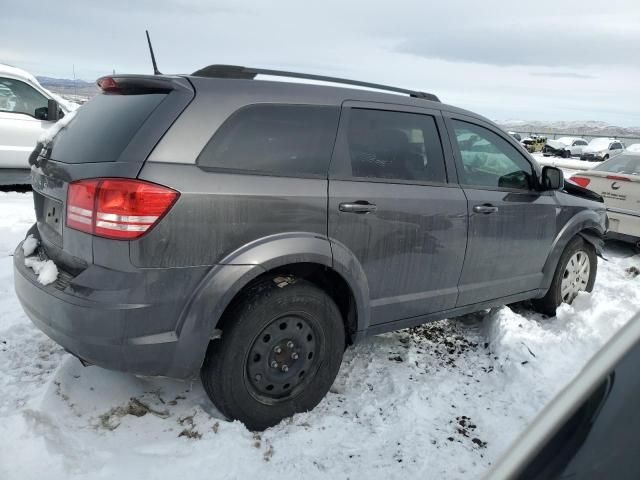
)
(600, 149)
(564, 147)
(515, 135)
(250, 230)
(26, 111)
(533, 143)
(618, 181)
(633, 148)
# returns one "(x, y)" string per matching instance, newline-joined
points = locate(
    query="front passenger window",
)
(490, 161)
(18, 97)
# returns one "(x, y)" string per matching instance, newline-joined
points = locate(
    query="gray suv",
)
(251, 230)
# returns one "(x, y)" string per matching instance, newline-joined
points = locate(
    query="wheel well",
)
(323, 277)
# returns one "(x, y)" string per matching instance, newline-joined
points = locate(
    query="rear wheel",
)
(575, 272)
(280, 352)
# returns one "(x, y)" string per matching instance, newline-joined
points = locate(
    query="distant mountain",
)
(573, 127)
(75, 90)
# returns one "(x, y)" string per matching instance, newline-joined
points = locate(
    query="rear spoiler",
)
(140, 84)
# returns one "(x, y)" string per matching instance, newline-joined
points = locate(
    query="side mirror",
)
(53, 111)
(552, 178)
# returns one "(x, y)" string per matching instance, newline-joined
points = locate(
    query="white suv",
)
(601, 149)
(26, 110)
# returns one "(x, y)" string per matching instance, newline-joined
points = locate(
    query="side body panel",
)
(412, 246)
(508, 245)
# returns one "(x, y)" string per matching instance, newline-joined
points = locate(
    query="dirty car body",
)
(462, 223)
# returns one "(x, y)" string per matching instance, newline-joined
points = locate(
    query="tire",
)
(566, 154)
(300, 320)
(554, 297)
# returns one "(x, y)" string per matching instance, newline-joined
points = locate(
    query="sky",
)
(545, 60)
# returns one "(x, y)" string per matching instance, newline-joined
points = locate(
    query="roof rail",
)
(235, 71)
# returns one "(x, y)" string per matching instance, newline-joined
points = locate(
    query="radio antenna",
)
(153, 57)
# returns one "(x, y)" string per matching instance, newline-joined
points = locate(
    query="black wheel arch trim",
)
(205, 308)
(588, 225)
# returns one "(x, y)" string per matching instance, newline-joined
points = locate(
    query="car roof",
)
(17, 73)
(298, 92)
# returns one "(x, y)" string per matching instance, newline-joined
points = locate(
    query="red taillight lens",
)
(616, 177)
(582, 181)
(81, 199)
(117, 208)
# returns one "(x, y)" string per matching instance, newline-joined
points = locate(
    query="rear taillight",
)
(616, 177)
(582, 181)
(117, 208)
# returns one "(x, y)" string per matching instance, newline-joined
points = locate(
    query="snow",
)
(52, 131)
(45, 269)
(633, 148)
(30, 244)
(441, 401)
(568, 165)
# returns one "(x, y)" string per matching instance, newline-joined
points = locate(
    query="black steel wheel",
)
(280, 352)
(282, 360)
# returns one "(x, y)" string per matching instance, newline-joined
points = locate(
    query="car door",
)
(19, 127)
(511, 224)
(615, 149)
(394, 204)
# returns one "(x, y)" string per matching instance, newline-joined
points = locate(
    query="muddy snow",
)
(440, 401)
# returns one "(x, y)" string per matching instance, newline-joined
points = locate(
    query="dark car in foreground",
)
(590, 430)
(251, 230)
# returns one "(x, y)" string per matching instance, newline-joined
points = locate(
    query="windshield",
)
(103, 127)
(566, 140)
(627, 164)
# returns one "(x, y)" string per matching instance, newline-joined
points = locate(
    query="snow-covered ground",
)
(568, 165)
(442, 401)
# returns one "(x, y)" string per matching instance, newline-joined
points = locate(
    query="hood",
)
(588, 149)
(556, 144)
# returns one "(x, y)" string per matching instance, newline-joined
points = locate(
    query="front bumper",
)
(127, 321)
(591, 157)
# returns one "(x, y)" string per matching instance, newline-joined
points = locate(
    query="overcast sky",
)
(542, 60)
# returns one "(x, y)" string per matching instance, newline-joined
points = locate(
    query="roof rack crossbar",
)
(234, 71)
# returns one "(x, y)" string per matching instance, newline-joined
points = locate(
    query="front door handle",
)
(486, 209)
(358, 207)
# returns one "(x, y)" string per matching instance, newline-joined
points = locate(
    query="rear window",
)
(628, 164)
(289, 140)
(103, 127)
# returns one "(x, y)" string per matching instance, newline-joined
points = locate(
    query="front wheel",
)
(566, 154)
(280, 352)
(575, 272)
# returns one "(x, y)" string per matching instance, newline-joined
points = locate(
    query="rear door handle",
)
(358, 207)
(486, 209)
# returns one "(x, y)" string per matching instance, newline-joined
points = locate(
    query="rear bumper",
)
(623, 224)
(127, 321)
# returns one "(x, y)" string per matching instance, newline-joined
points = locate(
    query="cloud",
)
(563, 75)
(509, 45)
(564, 60)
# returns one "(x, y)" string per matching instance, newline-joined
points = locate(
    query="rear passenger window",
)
(395, 145)
(274, 139)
